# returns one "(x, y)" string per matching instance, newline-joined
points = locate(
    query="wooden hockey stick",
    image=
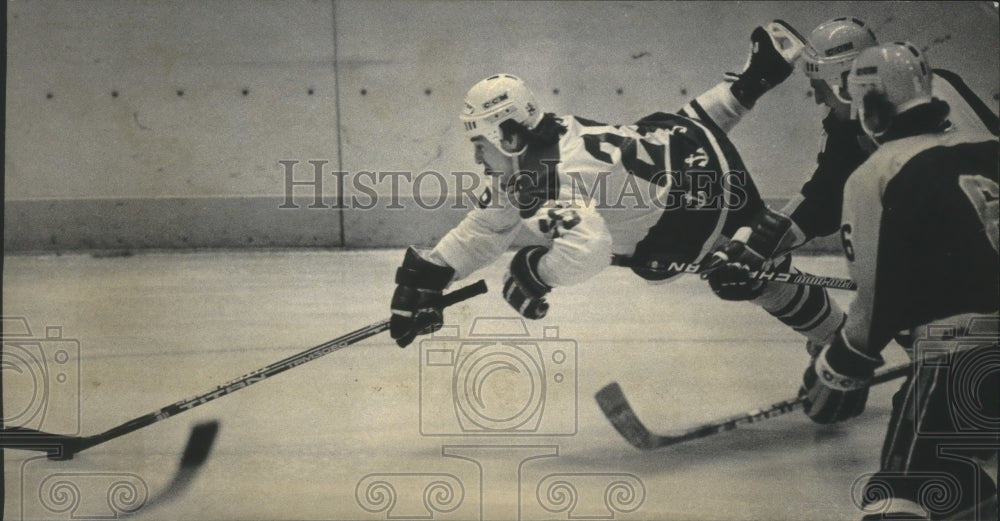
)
(616, 408)
(62, 447)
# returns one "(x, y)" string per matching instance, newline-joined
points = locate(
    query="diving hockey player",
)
(655, 196)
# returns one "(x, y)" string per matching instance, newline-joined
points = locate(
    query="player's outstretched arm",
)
(478, 240)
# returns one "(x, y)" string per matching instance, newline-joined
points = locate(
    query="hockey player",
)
(815, 212)
(919, 231)
(655, 196)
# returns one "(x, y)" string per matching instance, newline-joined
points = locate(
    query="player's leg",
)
(809, 310)
(774, 48)
(942, 427)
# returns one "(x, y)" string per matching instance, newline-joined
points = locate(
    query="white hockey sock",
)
(806, 309)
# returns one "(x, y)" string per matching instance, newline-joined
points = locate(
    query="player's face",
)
(824, 96)
(496, 163)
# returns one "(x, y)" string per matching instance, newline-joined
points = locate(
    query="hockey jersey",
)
(920, 230)
(658, 188)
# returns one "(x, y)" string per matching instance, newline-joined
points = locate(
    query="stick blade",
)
(196, 452)
(199, 444)
(611, 399)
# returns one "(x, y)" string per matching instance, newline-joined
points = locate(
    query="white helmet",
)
(898, 73)
(494, 100)
(833, 45)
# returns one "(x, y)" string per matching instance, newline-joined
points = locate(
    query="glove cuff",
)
(418, 272)
(774, 233)
(843, 367)
(524, 267)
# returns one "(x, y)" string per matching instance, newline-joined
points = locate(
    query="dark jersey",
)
(920, 222)
(845, 147)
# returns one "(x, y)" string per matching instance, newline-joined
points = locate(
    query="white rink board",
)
(374, 432)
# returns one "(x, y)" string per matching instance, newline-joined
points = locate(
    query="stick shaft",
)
(22, 438)
(241, 383)
(619, 412)
(779, 408)
(803, 279)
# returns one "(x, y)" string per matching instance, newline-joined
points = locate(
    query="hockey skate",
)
(774, 48)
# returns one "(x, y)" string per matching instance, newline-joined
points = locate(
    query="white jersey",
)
(662, 186)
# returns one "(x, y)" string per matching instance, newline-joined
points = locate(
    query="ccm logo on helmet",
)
(840, 48)
(494, 101)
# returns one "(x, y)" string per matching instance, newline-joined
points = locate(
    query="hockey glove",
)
(835, 385)
(752, 249)
(523, 287)
(414, 303)
(729, 270)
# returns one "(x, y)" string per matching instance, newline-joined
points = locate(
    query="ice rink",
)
(378, 432)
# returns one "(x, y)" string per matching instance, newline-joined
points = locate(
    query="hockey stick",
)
(615, 406)
(742, 235)
(802, 279)
(62, 447)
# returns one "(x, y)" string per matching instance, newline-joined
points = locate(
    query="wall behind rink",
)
(173, 124)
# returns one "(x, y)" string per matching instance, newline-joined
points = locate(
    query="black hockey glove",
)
(523, 288)
(835, 385)
(414, 303)
(730, 269)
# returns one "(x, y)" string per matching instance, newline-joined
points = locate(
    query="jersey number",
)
(845, 240)
(983, 195)
(650, 167)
